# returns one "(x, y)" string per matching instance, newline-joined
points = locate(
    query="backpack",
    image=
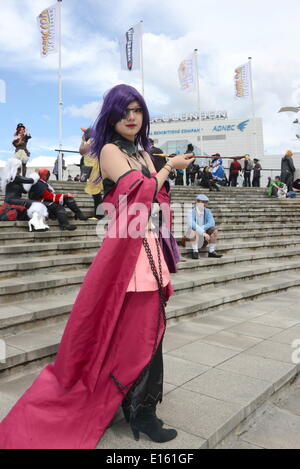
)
(10, 212)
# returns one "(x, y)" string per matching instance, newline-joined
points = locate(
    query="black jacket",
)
(287, 165)
(14, 189)
(158, 161)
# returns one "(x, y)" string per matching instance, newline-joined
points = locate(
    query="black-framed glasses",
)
(135, 110)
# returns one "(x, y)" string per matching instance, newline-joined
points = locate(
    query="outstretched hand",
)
(182, 161)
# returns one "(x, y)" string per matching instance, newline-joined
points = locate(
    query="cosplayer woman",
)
(111, 350)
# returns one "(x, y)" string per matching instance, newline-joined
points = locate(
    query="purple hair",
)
(115, 102)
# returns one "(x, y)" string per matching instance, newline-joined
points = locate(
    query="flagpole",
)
(142, 58)
(60, 103)
(198, 100)
(253, 106)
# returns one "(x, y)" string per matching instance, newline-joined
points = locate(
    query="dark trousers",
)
(233, 179)
(58, 211)
(288, 179)
(24, 169)
(210, 184)
(23, 202)
(190, 177)
(247, 179)
(148, 389)
(256, 181)
(179, 180)
(97, 201)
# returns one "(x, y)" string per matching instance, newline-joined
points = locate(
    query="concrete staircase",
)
(41, 273)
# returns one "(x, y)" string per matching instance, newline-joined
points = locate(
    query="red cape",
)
(109, 332)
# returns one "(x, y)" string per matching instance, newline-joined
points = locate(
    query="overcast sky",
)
(225, 32)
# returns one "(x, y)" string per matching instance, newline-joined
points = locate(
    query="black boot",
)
(146, 422)
(63, 221)
(68, 227)
(151, 410)
(72, 205)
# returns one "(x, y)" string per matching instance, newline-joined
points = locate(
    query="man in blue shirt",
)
(201, 229)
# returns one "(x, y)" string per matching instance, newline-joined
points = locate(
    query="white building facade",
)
(229, 137)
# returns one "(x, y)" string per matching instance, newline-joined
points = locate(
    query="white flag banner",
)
(187, 74)
(130, 48)
(242, 81)
(48, 30)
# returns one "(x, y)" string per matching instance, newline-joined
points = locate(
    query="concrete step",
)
(54, 234)
(37, 266)
(9, 229)
(250, 246)
(46, 249)
(26, 287)
(28, 348)
(283, 255)
(8, 226)
(24, 251)
(20, 236)
(26, 294)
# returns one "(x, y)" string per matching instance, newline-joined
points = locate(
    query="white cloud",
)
(48, 161)
(225, 33)
(88, 111)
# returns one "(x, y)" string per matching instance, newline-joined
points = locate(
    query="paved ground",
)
(276, 425)
(219, 369)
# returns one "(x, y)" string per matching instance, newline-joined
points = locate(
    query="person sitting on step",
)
(201, 228)
(277, 188)
(13, 185)
(207, 181)
(296, 186)
(55, 203)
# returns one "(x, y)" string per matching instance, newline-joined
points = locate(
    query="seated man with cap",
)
(201, 229)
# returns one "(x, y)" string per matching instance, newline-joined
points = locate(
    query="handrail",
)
(68, 151)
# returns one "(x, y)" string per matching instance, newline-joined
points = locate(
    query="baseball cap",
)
(202, 198)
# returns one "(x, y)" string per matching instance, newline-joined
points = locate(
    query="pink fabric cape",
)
(109, 331)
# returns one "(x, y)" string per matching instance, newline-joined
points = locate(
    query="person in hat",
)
(288, 170)
(256, 173)
(201, 228)
(19, 141)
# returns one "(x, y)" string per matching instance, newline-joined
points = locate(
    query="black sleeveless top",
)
(130, 148)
